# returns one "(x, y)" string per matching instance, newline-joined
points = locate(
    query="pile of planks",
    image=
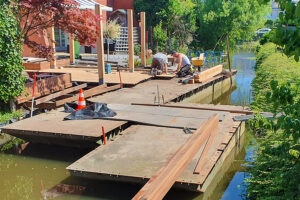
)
(54, 90)
(160, 183)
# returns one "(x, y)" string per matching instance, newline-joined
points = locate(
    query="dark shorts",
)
(158, 63)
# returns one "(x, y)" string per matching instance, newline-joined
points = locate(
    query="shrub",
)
(137, 50)
(11, 64)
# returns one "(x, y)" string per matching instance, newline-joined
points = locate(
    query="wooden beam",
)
(246, 112)
(203, 158)
(160, 183)
(130, 40)
(143, 38)
(58, 94)
(100, 47)
(88, 93)
(71, 48)
(45, 105)
(52, 46)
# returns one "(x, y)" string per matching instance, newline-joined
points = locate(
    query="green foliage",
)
(137, 63)
(287, 33)
(265, 38)
(160, 37)
(272, 64)
(11, 64)
(137, 49)
(6, 116)
(175, 17)
(12, 144)
(276, 171)
(239, 19)
(151, 8)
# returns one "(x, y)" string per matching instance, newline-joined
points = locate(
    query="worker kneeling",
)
(159, 63)
(184, 65)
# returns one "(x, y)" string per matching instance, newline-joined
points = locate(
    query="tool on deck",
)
(34, 81)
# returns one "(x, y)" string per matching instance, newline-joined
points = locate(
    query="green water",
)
(39, 172)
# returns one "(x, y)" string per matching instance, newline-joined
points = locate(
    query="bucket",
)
(107, 68)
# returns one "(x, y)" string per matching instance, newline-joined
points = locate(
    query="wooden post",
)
(71, 49)
(130, 40)
(143, 38)
(228, 55)
(52, 46)
(100, 47)
(151, 39)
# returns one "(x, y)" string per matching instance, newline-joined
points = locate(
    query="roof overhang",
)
(90, 4)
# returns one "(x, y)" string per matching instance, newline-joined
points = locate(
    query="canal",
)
(38, 173)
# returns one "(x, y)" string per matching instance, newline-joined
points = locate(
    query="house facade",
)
(109, 8)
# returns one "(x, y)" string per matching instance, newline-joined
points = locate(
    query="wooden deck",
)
(91, 76)
(51, 128)
(137, 154)
(146, 92)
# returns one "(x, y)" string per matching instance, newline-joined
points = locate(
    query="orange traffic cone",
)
(81, 101)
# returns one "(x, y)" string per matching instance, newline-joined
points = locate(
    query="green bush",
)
(275, 172)
(137, 63)
(272, 64)
(11, 64)
(137, 50)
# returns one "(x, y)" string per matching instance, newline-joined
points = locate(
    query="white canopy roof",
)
(90, 4)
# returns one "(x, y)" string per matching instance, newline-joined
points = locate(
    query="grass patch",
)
(272, 64)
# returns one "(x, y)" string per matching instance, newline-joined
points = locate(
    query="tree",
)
(11, 79)
(160, 37)
(151, 8)
(36, 16)
(179, 20)
(111, 30)
(287, 33)
(239, 19)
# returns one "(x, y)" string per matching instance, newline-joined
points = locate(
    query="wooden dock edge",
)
(235, 139)
(79, 141)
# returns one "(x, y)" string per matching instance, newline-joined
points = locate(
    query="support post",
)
(130, 40)
(228, 55)
(143, 38)
(52, 46)
(100, 47)
(71, 49)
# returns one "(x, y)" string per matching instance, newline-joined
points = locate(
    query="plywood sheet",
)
(162, 116)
